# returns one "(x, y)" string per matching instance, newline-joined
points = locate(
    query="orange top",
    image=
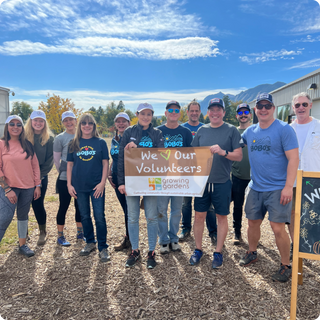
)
(18, 171)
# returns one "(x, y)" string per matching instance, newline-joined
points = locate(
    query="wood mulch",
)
(59, 284)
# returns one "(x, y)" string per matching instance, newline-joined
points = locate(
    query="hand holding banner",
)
(174, 171)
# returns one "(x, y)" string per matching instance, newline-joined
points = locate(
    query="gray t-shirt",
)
(228, 138)
(60, 144)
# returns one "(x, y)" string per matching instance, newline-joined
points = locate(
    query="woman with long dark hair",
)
(60, 151)
(19, 180)
(39, 134)
(87, 172)
(121, 122)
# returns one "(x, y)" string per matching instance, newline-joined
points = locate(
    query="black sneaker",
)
(283, 275)
(125, 244)
(26, 251)
(213, 239)
(237, 238)
(249, 258)
(151, 262)
(134, 256)
(184, 235)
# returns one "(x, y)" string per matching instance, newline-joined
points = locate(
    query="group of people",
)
(257, 163)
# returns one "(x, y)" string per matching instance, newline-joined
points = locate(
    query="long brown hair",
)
(74, 143)
(45, 133)
(25, 144)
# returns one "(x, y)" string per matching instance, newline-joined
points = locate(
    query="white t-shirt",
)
(302, 132)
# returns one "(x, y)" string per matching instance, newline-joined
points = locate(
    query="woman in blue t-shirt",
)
(141, 135)
(87, 171)
(121, 122)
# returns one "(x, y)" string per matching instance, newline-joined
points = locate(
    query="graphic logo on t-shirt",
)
(146, 142)
(114, 150)
(263, 144)
(173, 141)
(86, 153)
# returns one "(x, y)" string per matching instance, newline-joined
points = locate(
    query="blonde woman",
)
(87, 172)
(39, 134)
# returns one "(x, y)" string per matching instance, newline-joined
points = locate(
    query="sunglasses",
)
(83, 123)
(267, 106)
(175, 110)
(297, 105)
(246, 112)
(18, 124)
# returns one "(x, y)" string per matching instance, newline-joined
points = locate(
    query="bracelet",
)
(7, 190)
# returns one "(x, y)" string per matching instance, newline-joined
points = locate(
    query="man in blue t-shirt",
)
(174, 136)
(193, 112)
(274, 159)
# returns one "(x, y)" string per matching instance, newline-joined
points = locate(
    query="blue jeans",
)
(169, 236)
(211, 220)
(98, 213)
(238, 189)
(151, 213)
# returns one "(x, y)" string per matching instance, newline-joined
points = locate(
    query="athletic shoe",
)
(26, 251)
(151, 262)
(237, 238)
(283, 275)
(217, 260)
(89, 247)
(196, 257)
(134, 256)
(125, 244)
(80, 236)
(164, 248)
(175, 246)
(185, 233)
(42, 238)
(63, 242)
(104, 255)
(249, 258)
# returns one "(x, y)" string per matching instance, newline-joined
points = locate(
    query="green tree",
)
(21, 109)
(230, 108)
(110, 113)
(120, 106)
(156, 122)
(130, 114)
(201, 118)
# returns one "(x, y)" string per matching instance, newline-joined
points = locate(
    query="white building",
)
(4, 107)
(282, 96)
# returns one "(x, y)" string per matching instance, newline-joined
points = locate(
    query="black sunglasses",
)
(18, 124)
(297, 105)
(246, 112)
(83, 123)
(267, 106)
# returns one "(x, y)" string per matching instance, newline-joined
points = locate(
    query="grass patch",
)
(51, 199)
(11, 236)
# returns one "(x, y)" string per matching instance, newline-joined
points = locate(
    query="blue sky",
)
(98, 51)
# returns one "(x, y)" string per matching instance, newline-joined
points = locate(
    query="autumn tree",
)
(54, 107)
(230, 108)
(183, 114)
(21, 109)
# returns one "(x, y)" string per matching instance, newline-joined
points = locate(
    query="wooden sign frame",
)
(297, 262)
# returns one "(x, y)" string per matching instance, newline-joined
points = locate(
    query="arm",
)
(235, 155)
(293, 164)
(110, 176)
(71, 189)
(56, 159)
(36, 176)
(99, 188)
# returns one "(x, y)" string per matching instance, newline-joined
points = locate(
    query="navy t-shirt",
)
(87, 167)
(176, 138)
(193, 129)
(146, 141)
(114, 151)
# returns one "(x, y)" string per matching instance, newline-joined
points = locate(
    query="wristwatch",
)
(226, 153)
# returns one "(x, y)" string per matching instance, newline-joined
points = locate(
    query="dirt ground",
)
(59, 284)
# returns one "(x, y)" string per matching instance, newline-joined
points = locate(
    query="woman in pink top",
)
(19, 180)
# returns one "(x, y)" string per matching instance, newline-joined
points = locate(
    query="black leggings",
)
(38, 206)
(65, 198)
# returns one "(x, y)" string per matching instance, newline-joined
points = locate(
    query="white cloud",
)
(185, 48)
(315, 63)
(253, 58)
(87, 98)
(309, 38)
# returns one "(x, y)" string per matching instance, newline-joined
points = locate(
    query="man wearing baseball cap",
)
(240, 173)
(225, 144)
(174, 136)
(274, 159)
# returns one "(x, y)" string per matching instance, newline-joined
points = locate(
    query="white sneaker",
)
(164, 248)
(175, 246)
